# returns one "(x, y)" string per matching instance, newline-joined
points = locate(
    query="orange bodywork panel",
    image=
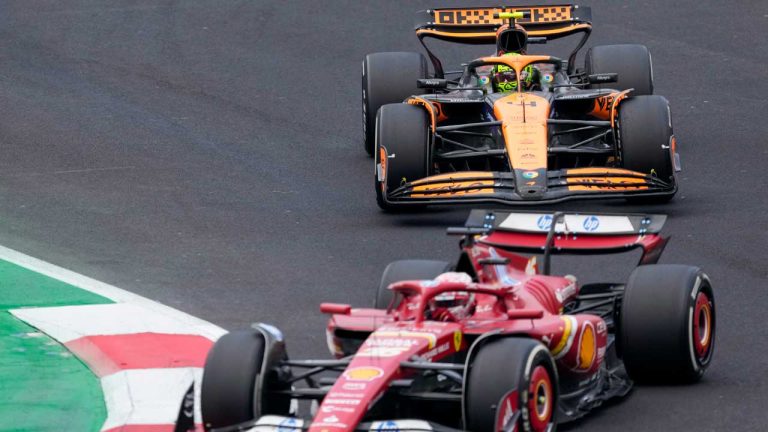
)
(524, 125)
(616, 183)
(383, 161)
(602, 108)
(605, 106)
(618, 98)
(444, 185)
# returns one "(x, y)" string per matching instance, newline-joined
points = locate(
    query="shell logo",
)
(364, 373)
(587, 347)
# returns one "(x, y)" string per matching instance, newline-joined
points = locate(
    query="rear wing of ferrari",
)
(478, 25)
(567, 233)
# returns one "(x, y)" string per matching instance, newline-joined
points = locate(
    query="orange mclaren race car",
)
(515, 128)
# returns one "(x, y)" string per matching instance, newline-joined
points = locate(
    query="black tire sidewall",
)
(645, 131)
(403, 133)
(388, 77)
(632, 63)
(656, 339)
(229, 377)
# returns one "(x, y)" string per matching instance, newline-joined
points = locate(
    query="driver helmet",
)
(505, 78)
(453, 305)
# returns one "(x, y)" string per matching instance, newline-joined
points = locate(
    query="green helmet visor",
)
(505, 78)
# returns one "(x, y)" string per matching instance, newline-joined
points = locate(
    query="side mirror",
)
(432, 83)
(335, 308)
(538, 40)
(603, 78)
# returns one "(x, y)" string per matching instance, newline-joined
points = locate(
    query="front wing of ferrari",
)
(273, 423)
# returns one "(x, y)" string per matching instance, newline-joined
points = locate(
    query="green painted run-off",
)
(42, 386)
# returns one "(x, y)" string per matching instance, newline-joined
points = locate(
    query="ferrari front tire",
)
(229, 378)
(667, 324)
(511, 378)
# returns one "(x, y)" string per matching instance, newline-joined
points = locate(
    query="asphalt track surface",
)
(208, 155)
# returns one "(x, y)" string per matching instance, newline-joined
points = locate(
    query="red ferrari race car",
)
(492, 342)
(515, 128)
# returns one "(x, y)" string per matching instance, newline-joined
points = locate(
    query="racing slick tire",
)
(388, 77)
(646, 139)
(230, 375)
(667, 324)
(403, 150)
(510, 377)
(631, 62)
(406, 270)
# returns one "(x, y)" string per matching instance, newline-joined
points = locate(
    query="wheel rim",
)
(702, 327)
(540, 399)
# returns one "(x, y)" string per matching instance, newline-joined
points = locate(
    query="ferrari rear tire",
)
(406, 270)
(631, 62)
(509, 376)
(388, 77)
(229, 378)
(667, 324)
(646, 139)
(403, 137)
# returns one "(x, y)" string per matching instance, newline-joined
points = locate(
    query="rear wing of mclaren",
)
(478, 25)
(567, 233)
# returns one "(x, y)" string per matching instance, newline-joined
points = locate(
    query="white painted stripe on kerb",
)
(67, 323)
(194, 325)
(147, 396)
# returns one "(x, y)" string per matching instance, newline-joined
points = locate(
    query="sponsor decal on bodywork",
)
(363, 373)
(592, 179)
(400, 425)
(576, 224)
(353, 402)
(404, 334)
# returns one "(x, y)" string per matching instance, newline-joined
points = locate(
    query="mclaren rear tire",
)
(507, 377)
(406, 270)
(388, 77)
(403, 138)
(667, 324)
(631, 62)
(646, 140)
